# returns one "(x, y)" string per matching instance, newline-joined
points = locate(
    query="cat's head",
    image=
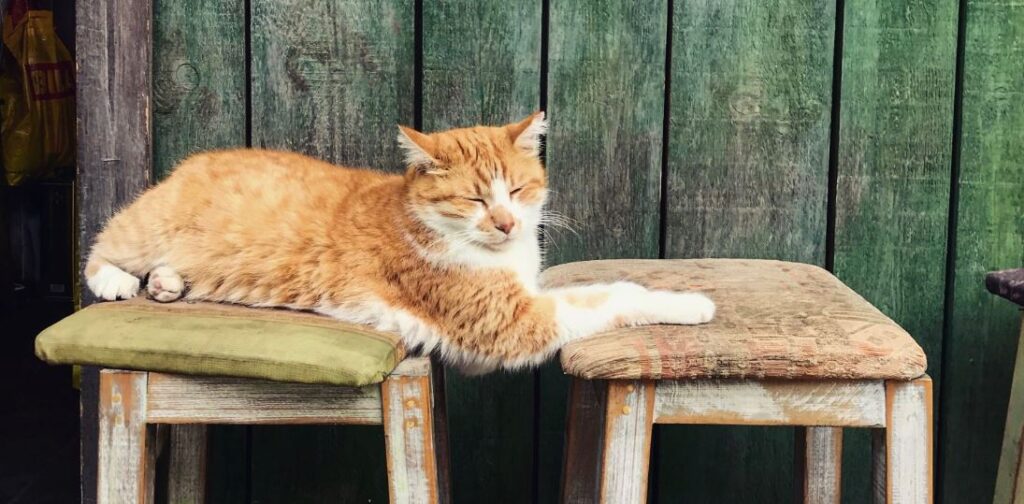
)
(482, 186)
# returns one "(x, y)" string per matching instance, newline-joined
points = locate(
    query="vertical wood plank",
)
(1010, 476)
(481, 65)
(819, 455)
(584, 441)
(892, 173)
(908, 442)
(114, 157)
(331, 79)
(982, 331)
(878, 470)
(199, 87)
(747, 176)
(186, 480)
(629, 421)
(409, 434)
(606, 98)
(127, 459)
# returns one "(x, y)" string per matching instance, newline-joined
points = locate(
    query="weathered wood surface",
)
(186, 479)
(605, 100)
(199, 81)
(748, 402)
(114, 153)
(178, 399)
(481, 65)
(331, 79)
(1010, 478)
(127, 458)
(908, 442)
(819, 464)
(747, 176)
(626, 456)
(409, 435)
(585, 430)
(878, 471)
(893, 154)
(983, 329)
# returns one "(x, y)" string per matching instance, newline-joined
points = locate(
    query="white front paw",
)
(681, 308)
(165, 285)
(111, 283)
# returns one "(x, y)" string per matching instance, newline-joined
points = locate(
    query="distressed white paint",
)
(413, 366)
(408, 435)
(627, 444)
(909, 442)
(777, 402)
(126, 458)
(822, 452)
(186, 480)
(205, 399)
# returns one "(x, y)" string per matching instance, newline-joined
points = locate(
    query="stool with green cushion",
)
(190, 365)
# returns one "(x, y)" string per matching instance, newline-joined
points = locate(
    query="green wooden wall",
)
(881, 139)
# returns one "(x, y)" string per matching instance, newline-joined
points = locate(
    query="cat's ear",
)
(526, 134)
(420, 151)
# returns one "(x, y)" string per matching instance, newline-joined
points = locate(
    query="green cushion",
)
(215, 339)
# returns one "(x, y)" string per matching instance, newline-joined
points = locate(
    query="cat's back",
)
(234, 166)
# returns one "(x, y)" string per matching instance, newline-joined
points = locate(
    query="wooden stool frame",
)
(608, 442)
(136, 408)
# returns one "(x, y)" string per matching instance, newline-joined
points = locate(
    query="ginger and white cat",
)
(447, 255)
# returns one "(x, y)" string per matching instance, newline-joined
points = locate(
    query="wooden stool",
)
(1010, 478)
(790, 345)
(133, 404)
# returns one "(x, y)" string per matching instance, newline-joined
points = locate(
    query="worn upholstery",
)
(775, 319)
(1007, 283)
(217, 339)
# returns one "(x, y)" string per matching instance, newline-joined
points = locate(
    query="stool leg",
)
(416, 471)
(127, 453)
(186, 480)
(629, 420)
(819, 456)
(908, 442)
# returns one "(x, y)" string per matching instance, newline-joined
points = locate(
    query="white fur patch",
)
(112, 283)
(530, 139)
(414, 154)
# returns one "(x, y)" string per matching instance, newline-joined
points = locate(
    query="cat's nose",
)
(505, 226)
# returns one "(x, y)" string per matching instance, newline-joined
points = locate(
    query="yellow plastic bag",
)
(37, 132)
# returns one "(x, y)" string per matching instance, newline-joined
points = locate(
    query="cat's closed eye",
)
(516, 190)
(474, 200)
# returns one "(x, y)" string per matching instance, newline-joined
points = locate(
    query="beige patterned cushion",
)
(775, 319)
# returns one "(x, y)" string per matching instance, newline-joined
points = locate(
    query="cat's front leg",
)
(587, 310)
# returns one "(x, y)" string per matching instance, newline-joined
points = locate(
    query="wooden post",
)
(819, 455)
(908, 442)
(186, 481)
(629, 420)
(409, 433)
(114, 159)
(127, 455)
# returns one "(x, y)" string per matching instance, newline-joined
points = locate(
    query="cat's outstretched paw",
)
(165, 285)
(112, 283)
(685, 308)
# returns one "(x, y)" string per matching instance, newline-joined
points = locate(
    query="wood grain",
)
(819, 464)
(481, 65)
(198, 78)
(127, 458)
(584, 440)
(186, 479)
(909, 442)
(747, 176)
(748, 402)
(605, 100)
(179, 399)
(331, 79)
(626, 456)
(989, 236)
(1010, 476)
(878, 470)
(892, 162)
(114, 154)
(409, 435)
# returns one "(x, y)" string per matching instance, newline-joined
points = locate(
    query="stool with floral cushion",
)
(790, 345)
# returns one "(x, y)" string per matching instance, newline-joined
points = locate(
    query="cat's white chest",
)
(522, 258)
